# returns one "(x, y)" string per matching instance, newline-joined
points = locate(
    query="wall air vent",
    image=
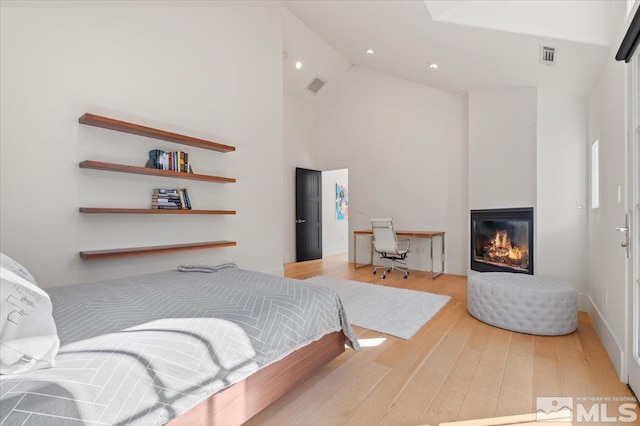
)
(548, 55)
(316, 84)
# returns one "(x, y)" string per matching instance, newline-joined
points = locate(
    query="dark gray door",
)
(308, 214)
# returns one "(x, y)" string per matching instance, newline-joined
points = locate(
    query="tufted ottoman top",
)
(523, 303)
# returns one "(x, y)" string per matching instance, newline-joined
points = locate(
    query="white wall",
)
(301, 144)
(607, 124)
(405, 147)
(210, 72)
(301, 150)
(299, 129)
(502, 148)
(335, 232)
(561, 184)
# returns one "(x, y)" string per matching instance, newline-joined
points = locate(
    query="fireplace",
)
(502, 240)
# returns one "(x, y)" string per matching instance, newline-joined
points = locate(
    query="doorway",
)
(322, 213)
(335, 212)
(308, 214)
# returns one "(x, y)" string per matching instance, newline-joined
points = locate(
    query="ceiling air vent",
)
(548, 55)
(316, 84)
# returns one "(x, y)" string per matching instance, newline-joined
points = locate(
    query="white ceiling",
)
(477, 44)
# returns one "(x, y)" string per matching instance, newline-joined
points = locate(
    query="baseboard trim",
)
(333, 251)
(608, 339)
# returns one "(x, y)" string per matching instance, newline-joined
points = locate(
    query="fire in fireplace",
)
(502, 240)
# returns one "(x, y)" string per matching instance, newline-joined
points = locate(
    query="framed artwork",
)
(342, 202)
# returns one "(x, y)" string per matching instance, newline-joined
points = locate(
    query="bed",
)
(183, 348)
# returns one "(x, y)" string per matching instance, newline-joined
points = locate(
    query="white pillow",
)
(13, 266)
(28, 335)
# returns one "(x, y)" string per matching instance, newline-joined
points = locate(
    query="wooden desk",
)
(416, 234)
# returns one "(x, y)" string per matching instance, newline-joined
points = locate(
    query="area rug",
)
(389, 310)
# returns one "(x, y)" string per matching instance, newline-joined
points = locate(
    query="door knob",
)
(300, 221)
(625, 229)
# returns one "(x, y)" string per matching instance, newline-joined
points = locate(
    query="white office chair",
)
(385, 244)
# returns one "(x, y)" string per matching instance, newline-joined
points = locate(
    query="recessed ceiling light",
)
(298, 65)
(370, 52)
(433, 66)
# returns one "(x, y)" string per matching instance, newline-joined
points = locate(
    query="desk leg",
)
(431, 255)
(441, 260)
(442, 270)
(355, 250)
(355, 254)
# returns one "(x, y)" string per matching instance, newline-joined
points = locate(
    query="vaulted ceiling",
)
(475, 43)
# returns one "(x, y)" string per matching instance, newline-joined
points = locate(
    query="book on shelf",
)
(163, 191)
(170, 198)
(176, 161)
(166, 203)
(186, 198)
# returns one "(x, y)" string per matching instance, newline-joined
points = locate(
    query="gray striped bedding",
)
(145, 349)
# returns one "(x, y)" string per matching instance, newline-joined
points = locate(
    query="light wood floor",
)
(455, 368)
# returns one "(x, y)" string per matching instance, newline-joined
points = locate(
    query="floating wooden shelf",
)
(136, 129)
(99, 165)
(151, 211)
(135, 251)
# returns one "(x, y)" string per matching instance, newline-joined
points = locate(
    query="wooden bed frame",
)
(238, 403)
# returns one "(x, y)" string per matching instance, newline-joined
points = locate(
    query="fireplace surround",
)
(502, 240)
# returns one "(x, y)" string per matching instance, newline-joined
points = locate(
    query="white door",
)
(633, 361)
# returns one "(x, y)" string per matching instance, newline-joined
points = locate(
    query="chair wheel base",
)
(383, 276)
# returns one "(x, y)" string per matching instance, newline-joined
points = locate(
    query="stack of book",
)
(170, 199)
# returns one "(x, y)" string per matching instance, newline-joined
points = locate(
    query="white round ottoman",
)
(523, 303)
